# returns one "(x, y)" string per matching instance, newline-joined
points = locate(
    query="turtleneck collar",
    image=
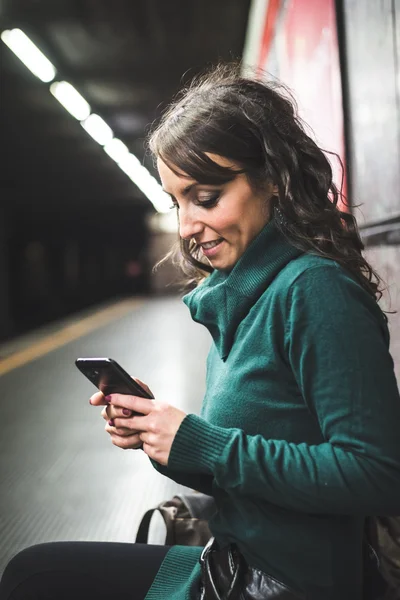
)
(223, 300)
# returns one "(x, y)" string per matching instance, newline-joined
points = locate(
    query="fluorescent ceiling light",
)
(71, 100)
(152, 189)
(130, 165)
(29, 54)
(77, 106)
(160, 200)
(146, 183)
(98, 129)
(116, 150)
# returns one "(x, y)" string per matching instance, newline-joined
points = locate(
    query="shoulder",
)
(319, 288)
(308, 266)
(316, 273)
(310, 273)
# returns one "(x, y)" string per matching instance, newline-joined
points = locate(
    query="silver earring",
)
(280, 217)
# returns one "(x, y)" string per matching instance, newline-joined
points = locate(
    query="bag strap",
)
(168, 515)
(142, 535)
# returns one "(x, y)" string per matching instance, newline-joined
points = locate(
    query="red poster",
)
(300, 47)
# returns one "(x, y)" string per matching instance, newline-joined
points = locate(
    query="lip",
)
(211, 251)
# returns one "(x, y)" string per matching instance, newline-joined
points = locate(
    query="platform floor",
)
(61, 478)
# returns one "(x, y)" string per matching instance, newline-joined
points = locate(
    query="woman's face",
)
(222, 219)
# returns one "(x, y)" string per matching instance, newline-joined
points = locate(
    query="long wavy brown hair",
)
(255, 123)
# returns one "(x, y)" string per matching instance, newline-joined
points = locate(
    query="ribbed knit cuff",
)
(197, 445)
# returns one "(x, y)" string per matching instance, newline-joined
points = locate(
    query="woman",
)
(298, 438)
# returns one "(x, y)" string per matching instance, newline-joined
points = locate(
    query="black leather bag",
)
(382, 576)
(226, 576)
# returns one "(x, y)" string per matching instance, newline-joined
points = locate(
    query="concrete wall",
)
(386, 261)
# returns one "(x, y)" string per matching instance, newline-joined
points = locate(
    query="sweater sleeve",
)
(200, 482)
(337, 346)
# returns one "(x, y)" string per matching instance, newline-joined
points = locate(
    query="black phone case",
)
(109, 377)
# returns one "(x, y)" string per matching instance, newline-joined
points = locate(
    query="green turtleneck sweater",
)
(298, 438)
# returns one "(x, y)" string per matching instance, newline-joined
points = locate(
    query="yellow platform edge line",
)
(67, 334)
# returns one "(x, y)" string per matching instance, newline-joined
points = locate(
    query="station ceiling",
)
(127, 58)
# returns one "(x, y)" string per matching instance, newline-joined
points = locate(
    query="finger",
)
(117, 412)
(130, 423)
(132, 442)
(134, 403)
(97, 399)
(108, 413)
(146, 438)
(122, 431)
(143, 385)
(112, 412)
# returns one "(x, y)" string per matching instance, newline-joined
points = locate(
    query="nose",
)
(189, 224)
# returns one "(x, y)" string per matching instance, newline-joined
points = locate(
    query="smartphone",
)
(109, 377)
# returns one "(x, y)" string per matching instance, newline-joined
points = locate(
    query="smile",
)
(211, 248)
(208, 245)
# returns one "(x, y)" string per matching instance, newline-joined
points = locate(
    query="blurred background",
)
(83, 219)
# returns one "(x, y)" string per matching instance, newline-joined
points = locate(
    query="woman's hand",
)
(155, 427)
(109, 413)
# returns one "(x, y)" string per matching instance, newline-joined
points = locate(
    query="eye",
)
(174, 205)
(210, 201)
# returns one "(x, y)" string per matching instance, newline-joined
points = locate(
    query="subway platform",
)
(61, 478)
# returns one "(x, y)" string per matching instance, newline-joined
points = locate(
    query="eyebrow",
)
(185, 190)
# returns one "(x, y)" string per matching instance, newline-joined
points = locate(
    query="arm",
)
(196, 481)
(337, 346)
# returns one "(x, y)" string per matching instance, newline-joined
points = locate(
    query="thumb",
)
(98, 399)
(143, 385)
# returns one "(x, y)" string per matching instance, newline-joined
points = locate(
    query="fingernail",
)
(108, 398)
(111, 423)
(126, 411)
